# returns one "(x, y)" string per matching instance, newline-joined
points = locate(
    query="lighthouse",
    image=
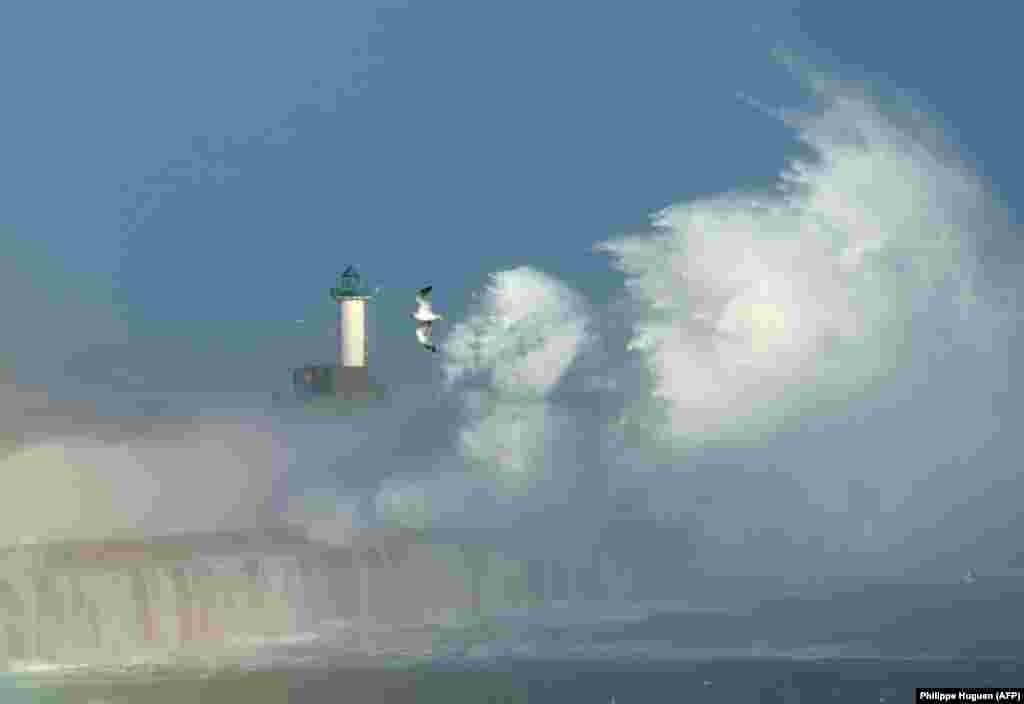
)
(347, 377)
(351, 297)
(351, 375)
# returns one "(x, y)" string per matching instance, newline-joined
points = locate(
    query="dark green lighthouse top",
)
(350, 285)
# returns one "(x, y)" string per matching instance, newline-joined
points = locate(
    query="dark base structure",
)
(345, 383)
(313, 380)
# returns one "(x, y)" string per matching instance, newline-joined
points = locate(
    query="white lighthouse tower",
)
(351, 296)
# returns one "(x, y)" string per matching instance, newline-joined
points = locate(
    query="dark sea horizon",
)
(726, 680)
(875, 643)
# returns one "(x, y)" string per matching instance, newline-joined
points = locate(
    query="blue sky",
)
(180, 184)
(209, 169)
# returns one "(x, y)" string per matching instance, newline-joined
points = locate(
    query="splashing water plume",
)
(525, 334)
(761, 307)
(846, 295)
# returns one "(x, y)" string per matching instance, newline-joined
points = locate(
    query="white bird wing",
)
(423, 332)
(424, 312)
(423, 300)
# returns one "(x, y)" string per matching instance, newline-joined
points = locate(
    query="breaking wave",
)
(829, 343)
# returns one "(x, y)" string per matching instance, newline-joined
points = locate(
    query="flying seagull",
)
(425, 317)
